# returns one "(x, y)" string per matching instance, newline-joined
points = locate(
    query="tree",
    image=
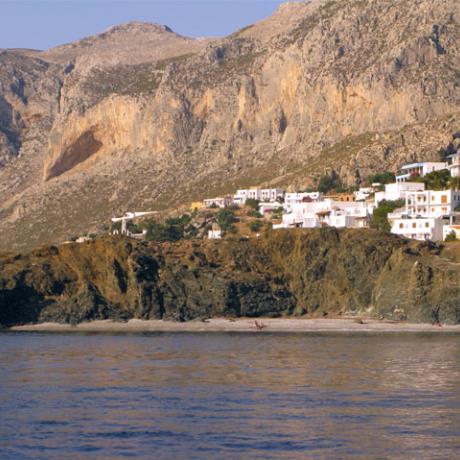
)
(226, 220)
(379, 218)
(437, 180)
(254, 213)
(252, 203)
(452, 236)
(454, 183)
(255, 226)
(278, 213)
(386, 177)
(162, 232)
(330, 182)
(174, 229)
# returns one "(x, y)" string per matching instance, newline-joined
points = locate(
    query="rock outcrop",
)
(306, 272)
(354, 86)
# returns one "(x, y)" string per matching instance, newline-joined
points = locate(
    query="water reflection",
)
(229, 396)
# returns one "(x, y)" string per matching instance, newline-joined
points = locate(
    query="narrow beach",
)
(259, 325)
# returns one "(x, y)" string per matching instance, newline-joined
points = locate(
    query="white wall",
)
(419, 228)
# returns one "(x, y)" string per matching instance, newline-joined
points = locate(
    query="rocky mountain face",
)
(141, 118)
(306, 272)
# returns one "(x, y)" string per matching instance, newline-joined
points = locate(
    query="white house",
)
(326, 213)
(454, 165)
(302, 197)
(432, 203)
(215, 233)
(418, 228)
(261, 194)
(221, 202)
(425, 215)
(363, 193)
(419, 169)
(269, 207)
(398, 191)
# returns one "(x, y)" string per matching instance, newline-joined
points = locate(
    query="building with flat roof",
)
(432, 203)
(419, 169)
(398, 191)
(220, 202)
(327, 213)
(453, 165)
(419, 228)
(300, 197)
(261, 194)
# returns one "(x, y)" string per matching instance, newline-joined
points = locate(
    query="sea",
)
(229, 396)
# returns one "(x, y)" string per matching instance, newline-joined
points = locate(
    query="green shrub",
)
(386, 177)
(252, 203)
(437, 180)
(254, 213)
(452, 236)
(379, 218)
(226, 218)
(278, 213)
(329, 183)
(255, 226)
(174, 229)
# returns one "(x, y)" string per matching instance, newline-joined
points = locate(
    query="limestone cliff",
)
(354, 86)
(310, 272)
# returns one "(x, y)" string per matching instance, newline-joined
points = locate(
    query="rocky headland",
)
(299, 273)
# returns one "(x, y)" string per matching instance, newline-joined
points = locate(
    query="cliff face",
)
(353, 86)
(315, 273)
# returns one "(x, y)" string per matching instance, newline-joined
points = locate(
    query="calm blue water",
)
(229, 396)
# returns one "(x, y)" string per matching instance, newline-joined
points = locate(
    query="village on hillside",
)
(421, 202)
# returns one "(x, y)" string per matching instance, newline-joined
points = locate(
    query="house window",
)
(443, 199)
(401, 225)
(427, 225)
(414, 225)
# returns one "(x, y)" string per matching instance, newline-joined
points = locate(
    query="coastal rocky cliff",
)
(140, 117)
(314, 273)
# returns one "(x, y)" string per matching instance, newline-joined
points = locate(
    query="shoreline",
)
(258, 325)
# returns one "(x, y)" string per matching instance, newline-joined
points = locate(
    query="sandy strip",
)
(242, 325)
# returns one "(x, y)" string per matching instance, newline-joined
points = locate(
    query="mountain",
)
(141, 118)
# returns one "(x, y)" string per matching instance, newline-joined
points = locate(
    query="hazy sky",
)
(42, 24)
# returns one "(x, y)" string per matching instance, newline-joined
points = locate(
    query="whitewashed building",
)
(261, 194)
(363, 193)
(419, 169)
(398, 191)
(454, 165)
(221, 202)
(301, 197)
(418, 228)
(326, 213)
(425, 215)
(269, 207)
(432, 203)
(215, 233)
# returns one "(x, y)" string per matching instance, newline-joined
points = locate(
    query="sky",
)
(42, 24)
